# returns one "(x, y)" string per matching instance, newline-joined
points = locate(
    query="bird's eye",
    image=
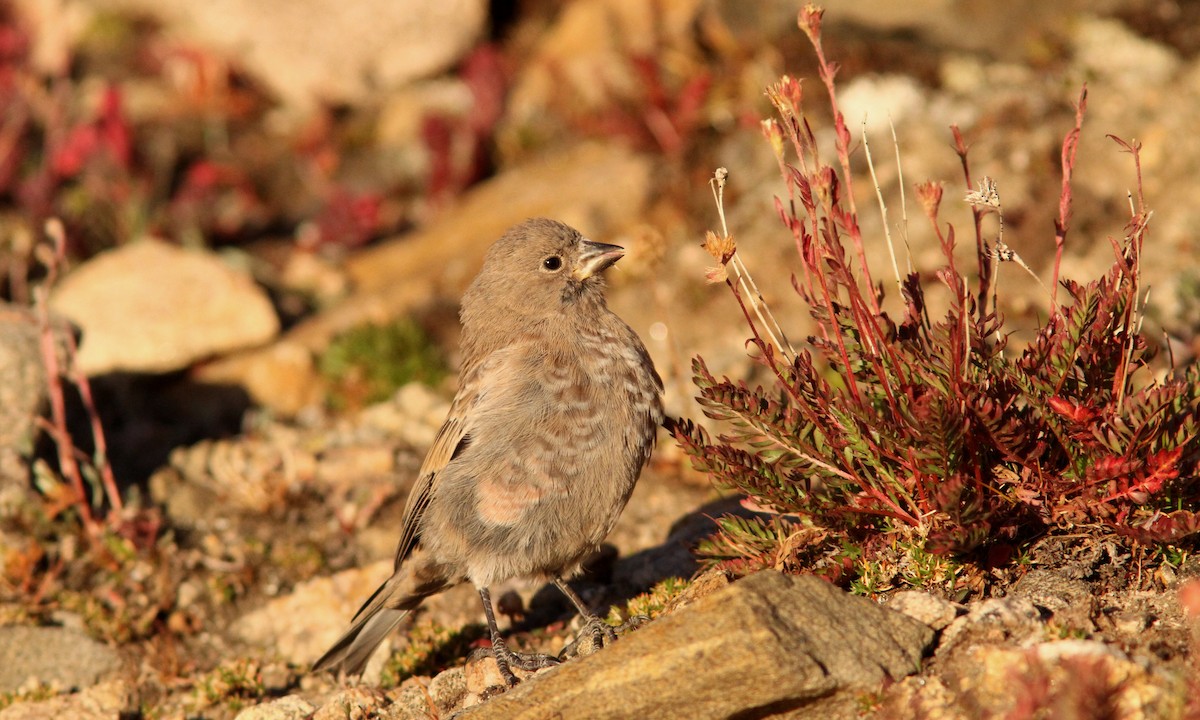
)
(552, 263)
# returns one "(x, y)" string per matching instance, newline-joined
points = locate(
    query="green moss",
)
(651, 604)
(431, 648)
(299, 560)
(902, 564)
(368, 363)
(232, 684)
(37, 694)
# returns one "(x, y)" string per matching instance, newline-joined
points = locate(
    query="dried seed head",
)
(718, 274)
(810, 21)
(929, 194)
(986, 198)
(786, 95)
(1003, 252)
(720, 247)
(720, 175)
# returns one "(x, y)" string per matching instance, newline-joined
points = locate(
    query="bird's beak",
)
(595, 258)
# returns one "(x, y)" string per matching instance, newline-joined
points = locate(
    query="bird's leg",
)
(601, 631)
(506, 658)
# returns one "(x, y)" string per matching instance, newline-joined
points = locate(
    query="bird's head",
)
(538, 269)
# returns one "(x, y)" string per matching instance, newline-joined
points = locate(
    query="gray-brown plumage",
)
(555, 418)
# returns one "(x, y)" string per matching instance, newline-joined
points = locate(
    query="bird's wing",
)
(529, 430)
(476, 383)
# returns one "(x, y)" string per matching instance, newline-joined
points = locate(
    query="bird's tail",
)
(349, 655)
(369, 627)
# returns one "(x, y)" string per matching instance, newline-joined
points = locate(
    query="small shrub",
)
(931, 432)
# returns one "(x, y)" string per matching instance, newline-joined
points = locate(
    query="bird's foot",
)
(506, 660)
(633, 623)
(533, 661)
(600, 634)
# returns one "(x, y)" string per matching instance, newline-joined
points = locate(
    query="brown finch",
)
(554, 420)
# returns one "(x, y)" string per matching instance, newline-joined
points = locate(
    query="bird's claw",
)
(535, 661)
(506, 660)
(602, 633)
(633, 623)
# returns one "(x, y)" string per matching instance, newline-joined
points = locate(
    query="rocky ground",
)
(265, 485)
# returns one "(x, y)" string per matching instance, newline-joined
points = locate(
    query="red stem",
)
(842, 135)
(58, 412)
(1063, 221)
(981, 253)
(100, 457)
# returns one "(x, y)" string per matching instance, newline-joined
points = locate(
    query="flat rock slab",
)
(54, 656)
(768, 644)
(152, 307)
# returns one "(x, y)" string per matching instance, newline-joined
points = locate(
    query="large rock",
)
(53, 656)
(23, 384)
(150, 307)
(306, 50)
(768, 644)
(108, 700)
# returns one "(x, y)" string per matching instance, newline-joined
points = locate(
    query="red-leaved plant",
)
(926, 430)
